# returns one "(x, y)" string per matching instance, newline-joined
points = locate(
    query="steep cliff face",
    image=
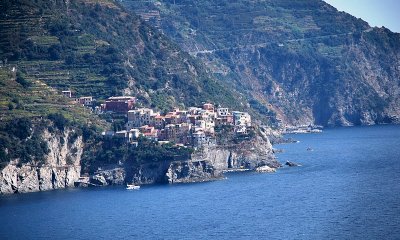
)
(175, 172)
(60, 168)
(208, 163)
(245, 155)
(192, 171)
(149, 173)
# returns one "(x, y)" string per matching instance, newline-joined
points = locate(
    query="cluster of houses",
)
(190, 127)
(194, 126)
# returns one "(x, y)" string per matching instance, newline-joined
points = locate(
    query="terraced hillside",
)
(96, 48)
(29, 109)
(23, 98)
(304, 60)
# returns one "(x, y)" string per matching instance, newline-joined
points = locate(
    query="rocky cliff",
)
(206, 164)
(192, 171)
(60, 168)
(155, 173)
(176, 172)
(249, 154)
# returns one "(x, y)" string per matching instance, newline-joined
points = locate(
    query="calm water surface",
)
(347, 188)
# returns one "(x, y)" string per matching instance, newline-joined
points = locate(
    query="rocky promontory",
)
(61, 167)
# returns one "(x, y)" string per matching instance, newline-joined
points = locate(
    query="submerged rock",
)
(292, 164)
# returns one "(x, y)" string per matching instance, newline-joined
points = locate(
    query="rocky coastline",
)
(62, 169)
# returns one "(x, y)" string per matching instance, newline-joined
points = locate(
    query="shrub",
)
(20, 128)
(59, 120)
(21, 80)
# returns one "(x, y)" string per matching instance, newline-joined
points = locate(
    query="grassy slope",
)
(26, 108)
(96, 48)
(36, 100)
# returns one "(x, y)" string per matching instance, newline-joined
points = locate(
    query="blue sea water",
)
(348, 187)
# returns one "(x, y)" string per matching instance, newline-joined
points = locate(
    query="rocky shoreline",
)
(62, 167)
(208, 164)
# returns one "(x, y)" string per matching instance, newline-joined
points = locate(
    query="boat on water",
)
(132, 187)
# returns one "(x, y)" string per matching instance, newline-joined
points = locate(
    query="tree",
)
(59, 120)
(21, 80)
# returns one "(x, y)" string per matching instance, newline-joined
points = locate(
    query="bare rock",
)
(98, 180)
(265, 169)
(192, 171)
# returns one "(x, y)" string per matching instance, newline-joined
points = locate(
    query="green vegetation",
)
(299, 61)
(105, 151)
(34, 99)
(96, 48)
(19, 139)
(22, 139)
(93, 48)
(226, 136)
(29, 108)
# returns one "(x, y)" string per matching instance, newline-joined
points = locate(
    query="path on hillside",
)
(209, 51)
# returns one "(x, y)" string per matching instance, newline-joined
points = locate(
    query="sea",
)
(347, 187)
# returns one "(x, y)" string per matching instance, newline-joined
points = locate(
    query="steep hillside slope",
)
(96, 48)
(33, 115)
(304, 60)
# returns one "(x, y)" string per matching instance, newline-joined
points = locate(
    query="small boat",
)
(132, 187)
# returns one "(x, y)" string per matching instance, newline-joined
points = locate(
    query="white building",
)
(141, 117)
(133, 134)
(194, 110)
(241, 118)
(223, 112)
(86, 101)
(67, 93)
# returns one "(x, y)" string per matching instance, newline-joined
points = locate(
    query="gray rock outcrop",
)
(192, 171)
(247, 154)
(265, 169)
(149, 173)
(60, 169)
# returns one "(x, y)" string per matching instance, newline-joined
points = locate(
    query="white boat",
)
(132, 187)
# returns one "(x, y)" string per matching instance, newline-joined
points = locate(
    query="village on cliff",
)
(194, 127)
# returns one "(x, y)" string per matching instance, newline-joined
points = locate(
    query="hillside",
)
(96, 48)
(303, 60)
(28, 109)
(91, 47)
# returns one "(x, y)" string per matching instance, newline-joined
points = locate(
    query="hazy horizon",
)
(376, 12)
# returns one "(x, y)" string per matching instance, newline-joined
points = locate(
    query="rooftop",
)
(121, 98)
